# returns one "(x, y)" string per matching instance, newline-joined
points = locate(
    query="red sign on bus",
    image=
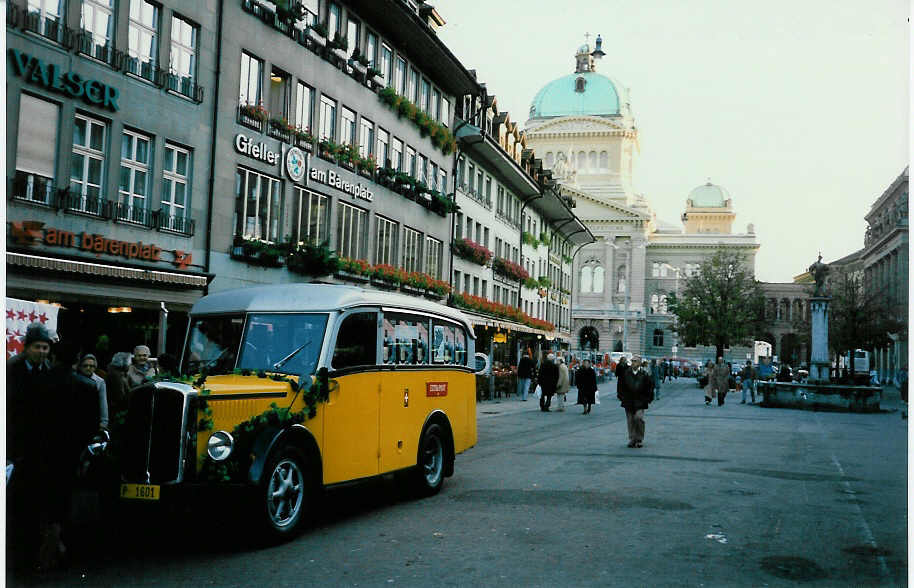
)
(436, 388)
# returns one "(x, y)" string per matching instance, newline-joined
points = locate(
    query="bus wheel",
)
(430, 465)
(287, 493)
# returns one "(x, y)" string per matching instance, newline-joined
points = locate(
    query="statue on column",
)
(819, 271)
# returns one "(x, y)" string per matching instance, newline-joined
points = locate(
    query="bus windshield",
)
(212, 344)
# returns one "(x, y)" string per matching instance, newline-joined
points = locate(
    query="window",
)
(35, 148)
(422, 165)
(143, 37)
(347, 127)
(386, 235)
(598, 277)
(475, 286)
(432, 175)
(271, 341)
(435, 106)
(405, 339)
(549, 161)
(366, 137)
(604, 160)
(445, 112)
(658, 337)
(387, 64)
(183, 48)
(479, 183)
(461, 172)
(586, 279)
(304, 105)
(50, 14)
(433, 257)
(311, 9)
(425, 96)
(350, 231)
(87, 162)
(258, 206)
(134, 180)
(411, 250)
(412, 88)
(410, 162)
(488, 189)
(471, 175)
(500, 200)
(313, 218)
(97, 19)
(460, 225)
(381, 150)
(280, 93)
(444, 343)
(371, 48)
(328, 118)
(250, 91)
(485, 237)
(400, 77)
(396, 154)
(442, 181)
(592, 160)
(498, 243)
(354, 33)
(466, 283)
(356, 341)
(175, 184)
(334, 22)
(655, 270)
(655, 303)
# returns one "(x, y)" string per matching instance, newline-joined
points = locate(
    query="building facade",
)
(109, 130)
(582, 126)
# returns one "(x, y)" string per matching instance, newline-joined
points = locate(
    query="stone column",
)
(819, 362)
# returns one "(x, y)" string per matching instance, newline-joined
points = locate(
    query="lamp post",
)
(676, 289)
(630, 247)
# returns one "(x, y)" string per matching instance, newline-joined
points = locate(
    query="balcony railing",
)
(176, 223)
(134, 214)
(49, 28)
(32, 187)
(93, 205)
(184, 85)
(146, 70)
(245, 119)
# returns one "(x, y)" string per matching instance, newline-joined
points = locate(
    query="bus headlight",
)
(220, 446)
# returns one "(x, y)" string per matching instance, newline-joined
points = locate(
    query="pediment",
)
(578, 124)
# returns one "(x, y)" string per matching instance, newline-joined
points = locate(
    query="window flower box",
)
(354, 270)
(411, 290)
(470, 251)
(313, 259)
(252, 116)
(261, 253)
(303, 139)
(317, 36)
(279, 128)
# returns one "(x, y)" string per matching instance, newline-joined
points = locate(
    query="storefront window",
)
(405, 339)
(143, 34)
(386, 235)
(134, 180)
(175, 184)
(433, 257)
(183, 48)
(250, 91)
(411, 250)
(350, 234)
(313, 216)
(35, 149)
(87, 162)
(258, 206)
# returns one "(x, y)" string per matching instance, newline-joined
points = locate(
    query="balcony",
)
(84, 204)
(252, 117)
(146, 70)
(174, 223)
(32, 188)
(138, 215)
(185, 86)
(49, 28)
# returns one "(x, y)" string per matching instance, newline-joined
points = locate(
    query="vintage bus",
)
(300, 387)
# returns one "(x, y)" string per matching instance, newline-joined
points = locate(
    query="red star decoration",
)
(43, 318)
(22, 315)
(32, 317)
(10, 315)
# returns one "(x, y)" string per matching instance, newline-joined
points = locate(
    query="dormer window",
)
(579, 84)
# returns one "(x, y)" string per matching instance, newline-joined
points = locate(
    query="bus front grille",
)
(154, 435)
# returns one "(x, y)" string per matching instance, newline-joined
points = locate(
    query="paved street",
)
(732, 496)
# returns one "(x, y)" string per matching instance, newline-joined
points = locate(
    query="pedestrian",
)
(86, 371)
(664, 370)
(748, 381)
(117, 385)
(141, 369)
(721, 380)
(708, 372)
(636, 394)
(656, 377)
(903, 390)
(784, 373)
(620, 370)
(586, 381)
(562, 385)
(524, 373)
(547, 379)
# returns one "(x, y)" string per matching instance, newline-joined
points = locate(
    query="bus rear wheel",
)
(429, 474)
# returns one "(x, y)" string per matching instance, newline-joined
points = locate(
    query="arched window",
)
(582, 161)
(580, 84)
(550, 159)
(658, 337)
(598, 279)
(604, 160)
(586, 279)
(592, 163)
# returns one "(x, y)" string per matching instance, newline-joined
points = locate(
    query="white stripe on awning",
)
(108, 271)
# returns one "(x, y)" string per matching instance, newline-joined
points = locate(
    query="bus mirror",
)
(482, 364)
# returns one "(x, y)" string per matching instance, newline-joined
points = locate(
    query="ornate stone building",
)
(582, 127)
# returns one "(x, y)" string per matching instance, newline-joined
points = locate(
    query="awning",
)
(484, 320)
(107, 271)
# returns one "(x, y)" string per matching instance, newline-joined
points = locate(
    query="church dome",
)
(583, 93)
(709, 196)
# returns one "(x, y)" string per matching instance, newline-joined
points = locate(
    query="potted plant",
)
(415, 283)
(471, 251)
(339, 46)
(348, 156)
(317, 32)
(359, 62)
(544, 282)
(387, 177)
(405, 185)
(356, 270)
(329, 150)
(303, 138)
(312, 259)
(253, 115)
(531, 284)
(387, 276)
(375, 75)
(366, 165)
(280, 128)
(290, 11)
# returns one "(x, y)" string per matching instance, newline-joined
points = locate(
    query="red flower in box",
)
(509, 269)
(471, 251)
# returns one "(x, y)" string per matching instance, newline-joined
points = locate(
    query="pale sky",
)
(799, 108)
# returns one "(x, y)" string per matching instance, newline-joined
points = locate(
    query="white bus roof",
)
(317, 298)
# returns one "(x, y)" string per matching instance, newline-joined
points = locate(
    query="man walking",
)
(548, 378)
(635, 395)
(524, 372)
(563, 384)
(656, 378)
(748, 381)
(721, 379)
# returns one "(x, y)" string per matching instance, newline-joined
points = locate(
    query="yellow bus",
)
(299, 387)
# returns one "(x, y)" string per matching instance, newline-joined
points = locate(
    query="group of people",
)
(554, 381)
(721, 379)
(58, 405)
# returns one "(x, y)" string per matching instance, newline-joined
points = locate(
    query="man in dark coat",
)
(548, 378)
(636, 394)
(621, 368)
(524, 373)
(586, 381)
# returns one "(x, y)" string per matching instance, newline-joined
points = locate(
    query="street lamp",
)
(630, 247)
(676, 289)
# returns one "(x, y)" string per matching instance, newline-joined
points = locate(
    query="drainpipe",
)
(212, 155)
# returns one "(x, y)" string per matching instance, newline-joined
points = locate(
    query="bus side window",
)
(356, 341)
(443, 343)
(405, 339)
(460, 354)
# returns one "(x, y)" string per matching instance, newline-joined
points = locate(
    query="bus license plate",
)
(140, 491)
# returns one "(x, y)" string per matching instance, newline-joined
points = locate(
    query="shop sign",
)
(295, 164)
(259, 151)
(34, 232)
(499, 338)
(69, 84)
(330, 177)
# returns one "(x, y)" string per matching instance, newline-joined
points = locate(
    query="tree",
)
(721, 304)
(859, 318)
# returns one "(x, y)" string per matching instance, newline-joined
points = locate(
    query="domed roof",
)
(562, 97)
(709, 196)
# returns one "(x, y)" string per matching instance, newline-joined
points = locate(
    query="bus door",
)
(350, 449)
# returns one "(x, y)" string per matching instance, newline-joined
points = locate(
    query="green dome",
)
(561, 97)
(709, 196)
